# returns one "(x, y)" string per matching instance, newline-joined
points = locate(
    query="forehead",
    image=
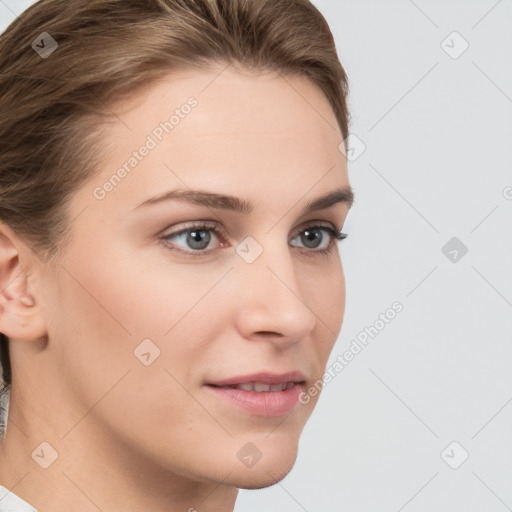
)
(229, 102)
(224, 130)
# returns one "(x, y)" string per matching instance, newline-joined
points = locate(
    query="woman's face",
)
(142, 319)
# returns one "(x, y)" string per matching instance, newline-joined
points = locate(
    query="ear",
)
(21, 315)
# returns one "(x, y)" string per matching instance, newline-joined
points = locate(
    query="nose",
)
(271, 298)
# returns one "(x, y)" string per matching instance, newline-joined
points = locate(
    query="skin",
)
(134, 437)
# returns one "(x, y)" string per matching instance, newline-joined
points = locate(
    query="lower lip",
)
(264, 403)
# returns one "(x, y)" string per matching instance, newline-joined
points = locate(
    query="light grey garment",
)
(9, 502)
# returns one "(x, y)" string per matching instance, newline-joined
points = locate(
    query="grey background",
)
(437, 164)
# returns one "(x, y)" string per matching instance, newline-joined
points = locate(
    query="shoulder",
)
(9, 502)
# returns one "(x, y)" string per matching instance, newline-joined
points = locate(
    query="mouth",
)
(259, 387)
(261, 394)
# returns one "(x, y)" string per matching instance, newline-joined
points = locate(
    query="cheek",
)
(327, 299)
(326, 296)
(117, 361)
(115, 318)
(338, 300)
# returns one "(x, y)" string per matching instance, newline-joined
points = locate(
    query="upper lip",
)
(263, 377)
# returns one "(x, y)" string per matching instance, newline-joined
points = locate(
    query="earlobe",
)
(20, 315)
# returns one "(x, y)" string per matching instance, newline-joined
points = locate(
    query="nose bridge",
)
(267, 263)
(271, 299)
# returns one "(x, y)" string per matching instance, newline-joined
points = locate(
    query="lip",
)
(263, 377)
(265, 403)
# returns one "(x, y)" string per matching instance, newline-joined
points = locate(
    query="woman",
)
(173, 186)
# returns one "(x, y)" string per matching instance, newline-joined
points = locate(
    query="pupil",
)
(312, 235)
(199, 239)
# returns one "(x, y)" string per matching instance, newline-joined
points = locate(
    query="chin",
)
(264, 474)
(262, 481)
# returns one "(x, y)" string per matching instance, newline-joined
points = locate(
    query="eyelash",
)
(336, 236)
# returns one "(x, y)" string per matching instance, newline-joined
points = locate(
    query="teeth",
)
(260, 387)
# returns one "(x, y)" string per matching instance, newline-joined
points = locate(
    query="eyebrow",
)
(244, 207)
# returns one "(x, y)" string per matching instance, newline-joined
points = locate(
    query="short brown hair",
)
(52, 106)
